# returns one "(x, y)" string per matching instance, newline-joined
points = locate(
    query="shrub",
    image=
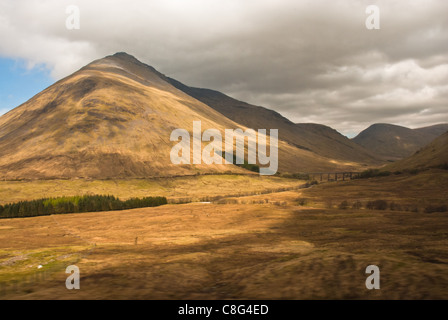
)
(246, 165)
(394, 206)
(371, 173)
(302, 201)
(343, 205)
(377, 205)
(357, 205)
(412, 171)
(310, 183)
(433, 208)
(443, 166)
(298, 176)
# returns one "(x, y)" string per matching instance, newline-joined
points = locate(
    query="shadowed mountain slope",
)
(392, 142)
(317, 138)
(435, 130)
(434, 155)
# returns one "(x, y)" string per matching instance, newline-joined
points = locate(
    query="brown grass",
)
(256, 247)
(269, 249)
(189, 188)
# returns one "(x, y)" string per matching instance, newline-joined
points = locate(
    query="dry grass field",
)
(413, 191)
(194, 188)
(268, 246)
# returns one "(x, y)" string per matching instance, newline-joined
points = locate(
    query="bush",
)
(412, 171)
(250, 167)
(246, 165)
(310, 183)
(343, 205)
(371, 173)
(377, 205)
(394, 206)
(432, 209)
(302, 201)
(357, 205)
(298, 176)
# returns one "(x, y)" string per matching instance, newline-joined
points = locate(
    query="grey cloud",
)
(310, 60)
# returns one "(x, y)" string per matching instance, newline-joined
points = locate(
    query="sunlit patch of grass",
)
(16, 266)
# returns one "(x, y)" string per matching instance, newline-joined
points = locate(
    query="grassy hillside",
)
(435, 130)
(433, 155)
(413, 191)
(392, 142)
(113, 119)
(319, 139)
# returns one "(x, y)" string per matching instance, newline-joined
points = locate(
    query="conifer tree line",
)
(76, 204)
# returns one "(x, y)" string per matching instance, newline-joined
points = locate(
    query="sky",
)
(310, 60)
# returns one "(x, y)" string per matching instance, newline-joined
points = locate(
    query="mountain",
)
(316, 138)
(435, 130)
(392, 142)
(113, 119)
(433, 155)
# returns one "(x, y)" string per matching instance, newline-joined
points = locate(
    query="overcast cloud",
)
(313, 61)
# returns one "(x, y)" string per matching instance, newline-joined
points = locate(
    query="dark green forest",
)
(76, 204)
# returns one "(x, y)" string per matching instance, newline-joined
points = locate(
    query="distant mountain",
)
(435, 130)
(316, 138)
(113, 119)
(433, 155)
(392, 142)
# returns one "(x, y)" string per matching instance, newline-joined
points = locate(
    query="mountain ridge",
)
(112, 119)
(393, 142)
(433, 155)
(303, 136)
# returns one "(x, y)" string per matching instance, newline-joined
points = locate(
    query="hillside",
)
(433, 155)
(317, 138)
(392, 142)
(435, 130)
(113, 119)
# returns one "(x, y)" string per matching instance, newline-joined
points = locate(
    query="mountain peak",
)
(394, 142)
(129, 66)
(124, 56)
(122, 53)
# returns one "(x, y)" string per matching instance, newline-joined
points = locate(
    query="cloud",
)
(3, 111)
(310, 60)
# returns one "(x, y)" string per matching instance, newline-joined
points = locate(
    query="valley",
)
(224, 231)
(269, 246)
